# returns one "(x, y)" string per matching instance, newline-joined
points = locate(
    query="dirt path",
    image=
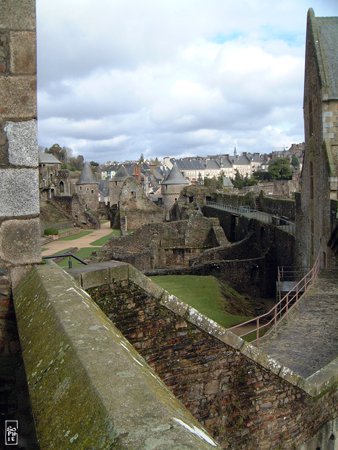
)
(59, 245)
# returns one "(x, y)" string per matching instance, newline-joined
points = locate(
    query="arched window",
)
(62, 187)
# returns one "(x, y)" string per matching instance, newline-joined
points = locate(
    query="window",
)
(62, 187)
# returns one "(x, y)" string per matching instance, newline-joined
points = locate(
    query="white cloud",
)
(121, 78)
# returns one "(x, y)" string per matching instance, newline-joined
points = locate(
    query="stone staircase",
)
(308, 339)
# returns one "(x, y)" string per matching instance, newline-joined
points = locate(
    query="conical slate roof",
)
(175, 177)
(87, 176)
(121, 174)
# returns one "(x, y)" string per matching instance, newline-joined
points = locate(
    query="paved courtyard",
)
(308, 340)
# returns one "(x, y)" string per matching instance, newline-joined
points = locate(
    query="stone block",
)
(261, 358)
(119, 272)
(137, 277)
(3, 52)
(95, 278)
(174, 304)
(20, 241)
(18, 97)
(17, 14)
(232, 340)
(22, 52)
(22, 143)
(290, 376)
(19, 192)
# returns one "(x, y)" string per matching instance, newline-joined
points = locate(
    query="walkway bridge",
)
(280, 222)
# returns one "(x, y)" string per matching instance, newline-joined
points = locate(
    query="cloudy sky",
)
(117, 78)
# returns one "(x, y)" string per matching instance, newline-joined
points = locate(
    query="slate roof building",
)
(171, 188)
(316, 209)
(87, 188)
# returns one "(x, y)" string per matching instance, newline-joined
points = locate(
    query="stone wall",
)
(264, 236)
(278, 207)
(19, 195)
(135, 208)
(90, 389)
(243, 397)
(159, 245)
(320, 166)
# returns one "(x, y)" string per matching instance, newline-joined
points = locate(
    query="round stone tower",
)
(87, 188)
(171, 188)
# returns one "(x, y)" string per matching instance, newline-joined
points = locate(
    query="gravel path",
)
(85, 241)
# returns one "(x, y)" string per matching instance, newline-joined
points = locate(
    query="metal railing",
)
(65, 255)
(267, 322)
(280, 222)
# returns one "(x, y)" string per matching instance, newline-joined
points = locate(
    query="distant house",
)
(242, 164)
(316, 211)
(191, 168)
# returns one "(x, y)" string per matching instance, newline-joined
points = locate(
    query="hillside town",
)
(99, 185)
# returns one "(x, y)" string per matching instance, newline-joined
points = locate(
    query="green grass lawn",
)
(201, 292)
(77, 235)
(104, 239)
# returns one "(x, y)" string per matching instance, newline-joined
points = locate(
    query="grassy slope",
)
(203, 293)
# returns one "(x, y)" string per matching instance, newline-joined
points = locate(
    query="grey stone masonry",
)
(19, 192)
(19, 176)
(22, 143)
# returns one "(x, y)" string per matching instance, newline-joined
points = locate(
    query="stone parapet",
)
(87, 383)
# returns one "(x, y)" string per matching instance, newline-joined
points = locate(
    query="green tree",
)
(295, 162)
(59, 152)
(213, 183)
(280, 169)
(262, 175)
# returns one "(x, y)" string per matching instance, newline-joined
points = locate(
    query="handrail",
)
(282, 308)
(64, 255)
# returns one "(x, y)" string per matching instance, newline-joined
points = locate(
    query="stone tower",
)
(116, 183)
(171, 188)
(87, 188)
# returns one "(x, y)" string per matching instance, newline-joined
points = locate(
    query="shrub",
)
(50, 231)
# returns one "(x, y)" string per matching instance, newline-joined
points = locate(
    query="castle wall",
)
(19, 177)
(320, 162)
(19, 196)
(244, 398)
